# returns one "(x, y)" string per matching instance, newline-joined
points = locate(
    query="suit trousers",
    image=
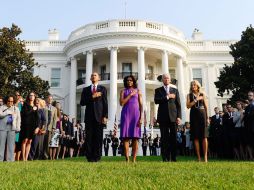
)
(94, 141)
(168, 141)
(47, 138)
(9, 138)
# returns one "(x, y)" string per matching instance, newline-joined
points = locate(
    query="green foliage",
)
(239, 77)
(16, 65)
(114, 173)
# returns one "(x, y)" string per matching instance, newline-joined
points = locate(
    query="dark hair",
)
(5, 100)
(27, 97)
(133, 79)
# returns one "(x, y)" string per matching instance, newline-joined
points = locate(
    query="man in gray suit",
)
(51, 120)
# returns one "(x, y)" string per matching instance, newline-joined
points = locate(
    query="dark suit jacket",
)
(227, 121)
(249, 117)
(96, 108)
(170, 107)
(215, 126)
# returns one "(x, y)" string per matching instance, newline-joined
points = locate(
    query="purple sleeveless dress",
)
(130, 117)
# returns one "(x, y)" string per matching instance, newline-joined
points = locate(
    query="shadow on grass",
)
(144, 159)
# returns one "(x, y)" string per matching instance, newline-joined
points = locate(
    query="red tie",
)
(94, 89)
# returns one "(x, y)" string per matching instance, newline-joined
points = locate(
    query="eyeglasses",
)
(9, 101)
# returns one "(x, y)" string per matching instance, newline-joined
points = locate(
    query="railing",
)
(121, 75)
(81, 81)
(152, 76)
(126, 26)
(105, 76)
(125, 74)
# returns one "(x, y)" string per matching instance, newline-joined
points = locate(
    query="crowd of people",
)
(38, 129)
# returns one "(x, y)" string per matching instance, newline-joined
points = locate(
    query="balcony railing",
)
(81, 81)
(121, 75)
(125, 74)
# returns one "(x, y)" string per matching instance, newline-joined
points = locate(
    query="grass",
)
(114, 173)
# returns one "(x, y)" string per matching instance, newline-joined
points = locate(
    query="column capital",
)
(73, 58)
(90, 51)
(164, 51)
(112, 48)
(141, 48)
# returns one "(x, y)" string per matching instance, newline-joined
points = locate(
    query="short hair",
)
(166, 75)
(5, 100)
(133, 79)
(197, 83)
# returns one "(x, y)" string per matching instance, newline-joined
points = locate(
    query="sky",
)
(217, 19)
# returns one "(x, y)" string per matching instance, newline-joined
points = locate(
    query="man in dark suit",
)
(228, 126)
(169, 116)
(115, 144)
(94, 97)
(215, 133)
(106, 142)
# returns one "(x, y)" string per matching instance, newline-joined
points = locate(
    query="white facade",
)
(116, 47)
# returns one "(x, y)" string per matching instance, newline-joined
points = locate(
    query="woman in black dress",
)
(197, 102)
(29, 124)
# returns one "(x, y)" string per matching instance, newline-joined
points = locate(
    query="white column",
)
(113, 87)
(164, 59)
(209, 82)
(141, 74)
(180, 85)
(89, 66)
(72, 98)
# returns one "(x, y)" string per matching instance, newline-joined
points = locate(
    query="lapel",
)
(172, 90)
(98, 88)
(163, 91)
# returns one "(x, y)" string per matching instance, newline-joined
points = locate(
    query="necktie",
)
(94, 89)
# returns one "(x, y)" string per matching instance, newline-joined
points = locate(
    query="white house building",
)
(116, 48)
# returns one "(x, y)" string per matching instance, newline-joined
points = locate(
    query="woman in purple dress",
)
(131, 102)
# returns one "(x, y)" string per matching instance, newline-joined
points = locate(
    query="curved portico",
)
(117, 48)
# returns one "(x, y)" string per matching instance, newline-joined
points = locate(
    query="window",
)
(197, 75)
(81, 77)
(103, 69)
(32, 71)
(55, 77)
(149, 74)
(126, 69)
(172, 73)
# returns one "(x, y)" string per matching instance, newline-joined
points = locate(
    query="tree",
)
(16, 66)
(239, 77)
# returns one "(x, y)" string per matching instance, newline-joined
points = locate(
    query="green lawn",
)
(114, 173)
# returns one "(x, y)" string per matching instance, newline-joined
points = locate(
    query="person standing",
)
(51, 120)
(131, 102)
(36, 139)
(106, 142)
(249, 125)
(115, 144)
(144, 144)
(29, 124)
(169, 116)
(9, 124)
(197, 102)
(56, 133)
(94, 97)
(151, 150)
